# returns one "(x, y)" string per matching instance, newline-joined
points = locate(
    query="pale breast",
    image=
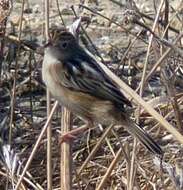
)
(82, 104)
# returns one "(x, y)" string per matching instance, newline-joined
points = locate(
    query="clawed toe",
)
(67, 137)
(71, 135)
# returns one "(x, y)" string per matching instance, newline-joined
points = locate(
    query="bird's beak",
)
(74, 28)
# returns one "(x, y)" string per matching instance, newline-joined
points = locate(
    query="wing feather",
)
(82, 73)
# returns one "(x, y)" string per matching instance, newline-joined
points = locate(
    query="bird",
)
(77, 81)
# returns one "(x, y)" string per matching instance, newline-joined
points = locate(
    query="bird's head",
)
(62, 44)
(65, 41)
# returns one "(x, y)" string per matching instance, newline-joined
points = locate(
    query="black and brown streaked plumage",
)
(76, 80)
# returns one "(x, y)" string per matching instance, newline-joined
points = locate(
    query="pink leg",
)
(71, 134)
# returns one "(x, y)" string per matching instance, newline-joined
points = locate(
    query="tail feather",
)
(144, 137)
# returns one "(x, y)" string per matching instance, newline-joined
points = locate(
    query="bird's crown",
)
(61, 35)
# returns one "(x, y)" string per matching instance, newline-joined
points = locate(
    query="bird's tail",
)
(142, 136)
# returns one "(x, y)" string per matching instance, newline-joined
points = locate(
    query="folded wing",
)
(82, 73)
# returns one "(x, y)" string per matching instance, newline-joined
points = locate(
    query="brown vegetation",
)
(141, 42)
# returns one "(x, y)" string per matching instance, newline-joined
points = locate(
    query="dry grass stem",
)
(97, 146)
(139, 41)
(13, 99)
(66, 153)
(36, 146)
(125, 88)
(49, 130)
(109, 171)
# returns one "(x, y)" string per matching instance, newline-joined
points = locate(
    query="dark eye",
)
(64, 44)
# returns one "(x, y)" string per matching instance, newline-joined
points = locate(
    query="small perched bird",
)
(76, 80)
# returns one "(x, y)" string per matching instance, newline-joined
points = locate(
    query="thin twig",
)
(60, 14)
(94, 150)
(133, 168)
(85, 33)
(160, 61)
(49, 131)
(124, 88)
(109, 171)
(13, 98)
(36, 146)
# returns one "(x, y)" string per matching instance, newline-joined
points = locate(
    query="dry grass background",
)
(140, 41)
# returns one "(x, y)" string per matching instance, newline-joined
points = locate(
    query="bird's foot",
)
(71, 135)
(67, 137)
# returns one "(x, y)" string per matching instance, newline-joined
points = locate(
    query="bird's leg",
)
(71, 135)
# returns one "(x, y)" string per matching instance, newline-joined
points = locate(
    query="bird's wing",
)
(82, 73)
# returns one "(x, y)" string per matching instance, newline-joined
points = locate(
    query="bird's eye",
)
(64, 44)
